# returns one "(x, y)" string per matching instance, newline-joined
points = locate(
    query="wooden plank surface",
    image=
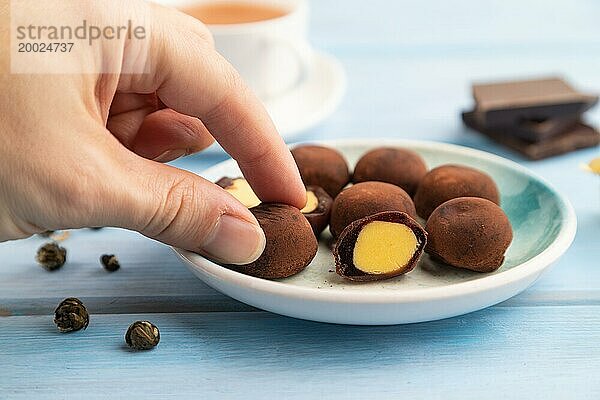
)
(500, 352)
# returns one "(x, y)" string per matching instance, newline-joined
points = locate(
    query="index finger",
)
(190, 77)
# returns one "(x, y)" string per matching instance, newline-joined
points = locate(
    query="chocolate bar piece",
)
(536, 131)
(578, 137)
(510, 103)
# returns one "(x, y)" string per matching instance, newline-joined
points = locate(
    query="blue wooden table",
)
(409, 69)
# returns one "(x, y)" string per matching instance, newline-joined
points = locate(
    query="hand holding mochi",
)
(316, 210)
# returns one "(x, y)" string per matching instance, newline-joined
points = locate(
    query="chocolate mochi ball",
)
(367, 198)
(469, 232)
(291, 244)
(400, 167)
(450, 181)
(322, 166)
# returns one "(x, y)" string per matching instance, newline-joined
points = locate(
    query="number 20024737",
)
(43, 47)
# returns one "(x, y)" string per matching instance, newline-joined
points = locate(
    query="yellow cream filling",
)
(384, 247)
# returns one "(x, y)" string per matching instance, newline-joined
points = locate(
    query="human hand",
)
(81, 150)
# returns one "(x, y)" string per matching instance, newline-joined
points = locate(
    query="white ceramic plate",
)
(544, 226)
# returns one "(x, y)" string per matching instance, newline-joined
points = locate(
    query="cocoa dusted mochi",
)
(400, 167)
(291, 244)
(367, 198)
(450, 181)
(322, 166)
(469, 232)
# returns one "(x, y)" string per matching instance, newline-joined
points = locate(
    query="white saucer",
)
(543, 221)
(314, 99)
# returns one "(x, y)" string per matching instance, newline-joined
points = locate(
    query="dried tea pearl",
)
(142, 335)
(110, 262)
(51, 256)
(71, 315)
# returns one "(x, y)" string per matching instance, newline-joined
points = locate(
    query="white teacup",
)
(272, 55)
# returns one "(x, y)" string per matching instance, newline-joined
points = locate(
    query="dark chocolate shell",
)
(344, 247)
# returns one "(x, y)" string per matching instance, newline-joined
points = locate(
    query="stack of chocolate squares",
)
(537, 118)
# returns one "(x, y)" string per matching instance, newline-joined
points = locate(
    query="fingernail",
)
(235, 241)
(170, 155)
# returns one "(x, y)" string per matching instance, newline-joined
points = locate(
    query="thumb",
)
(183, 209)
